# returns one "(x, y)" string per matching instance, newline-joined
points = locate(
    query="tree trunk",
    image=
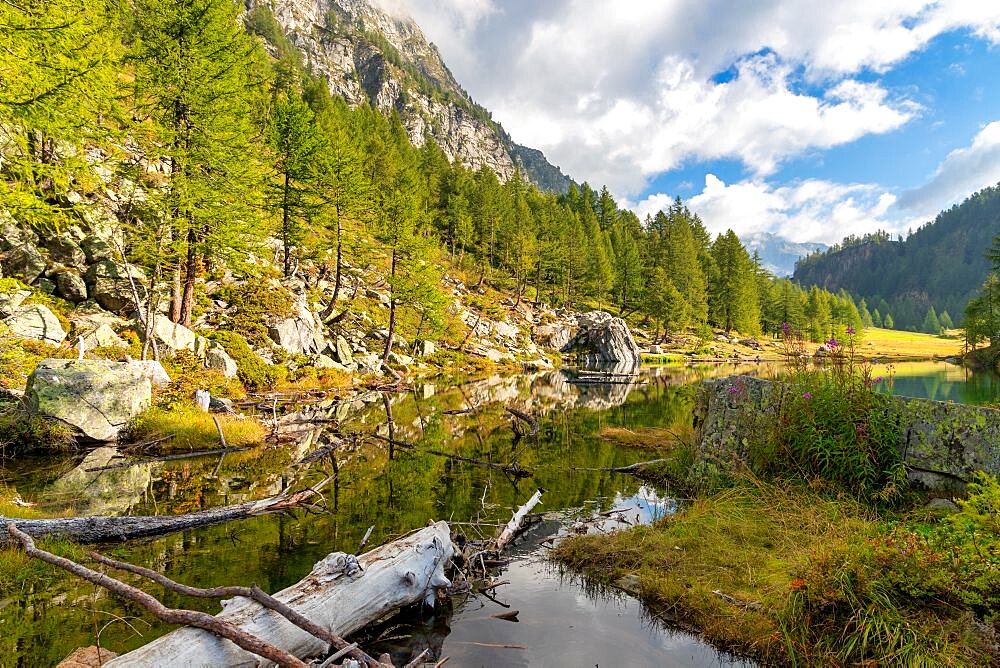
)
(108, 529)
(190, 275)
(392, 310)
(340, 594)
(286, 228)
(340, 259)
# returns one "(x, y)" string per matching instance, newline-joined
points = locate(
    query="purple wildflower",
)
(832, 343)
(878, 380)
(860, 429)
(850, 330)
(786, 328)
(807, 395)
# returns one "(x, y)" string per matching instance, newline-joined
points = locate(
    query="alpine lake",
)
(563, 620)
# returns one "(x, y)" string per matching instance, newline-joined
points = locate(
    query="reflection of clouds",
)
(645, 506)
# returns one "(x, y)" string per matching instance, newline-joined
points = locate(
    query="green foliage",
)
(833, 424)
(253, 372)
(256, 302)
(21, 432)
(186, 427)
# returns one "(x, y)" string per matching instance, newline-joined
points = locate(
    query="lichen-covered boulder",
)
(216, 357)
(10, 302)
(95, 397)
(301, 334)
(552, 336)
(36, 322)
(343, 351)
(103, 337)
(604, 340)
(96, 249)
(71, 285)
(64, 250)
(23, 262)
(110, 285)
(170, 336)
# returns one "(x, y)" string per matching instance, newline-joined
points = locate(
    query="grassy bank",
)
(789, 574)
(809, 547)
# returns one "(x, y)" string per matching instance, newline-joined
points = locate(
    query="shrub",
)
(253, 372)
(832, 423)
(256, 303)
(22, 432)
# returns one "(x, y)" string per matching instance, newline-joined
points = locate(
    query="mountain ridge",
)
(369, 55)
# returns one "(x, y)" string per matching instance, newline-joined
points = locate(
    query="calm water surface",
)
(563, 620)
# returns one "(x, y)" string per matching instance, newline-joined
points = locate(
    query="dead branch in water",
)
(631, 468)
(514, 469)
(532, 423)
(193, 618)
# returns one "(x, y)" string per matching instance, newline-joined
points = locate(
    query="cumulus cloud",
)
(810, 210)
(962, 172)
(615, 94)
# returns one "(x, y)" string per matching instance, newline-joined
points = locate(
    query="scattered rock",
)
(301, 334)
(321, 362)
(343, 352)
(87, 657)
(630, 584)
(370, 363)
(45, 285)
(552, 336)
(96, 397)
(110, 285)
(23, 262)
(152, 370)
(216, 357)
(941, 504)
(10, 302)
(71, 285)
(506, 330)
(170, 336)
(103, 337)
(36, 322)
(96, 249)
(400, 359)
(425, 348)
(64, 250)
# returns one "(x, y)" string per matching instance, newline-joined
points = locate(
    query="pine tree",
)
(887, 321)
(57, 83)
(866, 316)
(734, 303)
(931, 324)
(199, 83)
(946, 321)
(876, 318)
(296, 143)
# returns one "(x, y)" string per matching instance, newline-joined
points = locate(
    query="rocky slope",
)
(368, 55)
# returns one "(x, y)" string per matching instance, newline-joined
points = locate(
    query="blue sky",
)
(810, 120)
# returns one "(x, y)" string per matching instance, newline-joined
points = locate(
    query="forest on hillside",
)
(923, 281)
(216, 137)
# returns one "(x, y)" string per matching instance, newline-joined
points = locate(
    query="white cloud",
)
(962, 172)
(615, 93)
(811, 210)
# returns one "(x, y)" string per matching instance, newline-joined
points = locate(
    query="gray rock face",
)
(169, 336)
(425, 348)
(103, 337)
(153, 371)
(301, 334)
(45, 285)
(110, 286)
(552, 336)
(217, 358)
(36, 322)
(96, 249)
(71, 285)
(96, 397)
(343, 352)
(64, 250)
(604, 340)
(23, 262)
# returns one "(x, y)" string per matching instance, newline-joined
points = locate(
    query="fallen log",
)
(514, 525)
(342, 594)
(111, 529)
(631, 468)
(248, 643)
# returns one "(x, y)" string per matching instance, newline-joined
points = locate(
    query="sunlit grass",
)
(186, 427)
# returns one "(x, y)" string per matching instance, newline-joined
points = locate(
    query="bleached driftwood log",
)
(514, 525)
(343, 593)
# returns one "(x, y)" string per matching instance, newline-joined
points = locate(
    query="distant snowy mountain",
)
(777, 253)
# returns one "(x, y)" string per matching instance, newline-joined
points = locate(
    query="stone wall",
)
(942, 443)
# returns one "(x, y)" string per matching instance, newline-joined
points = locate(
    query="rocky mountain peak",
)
(368, 54)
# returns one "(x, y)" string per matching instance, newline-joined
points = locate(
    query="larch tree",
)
(199, 83)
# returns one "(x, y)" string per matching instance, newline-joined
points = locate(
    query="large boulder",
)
(343, 351)
(10, 302)
(111, 287)
(103, 337)
(64, 250)
(36, 322)
(95, 397)
(71, 285)
(302, 334)
(602, 341)
(552, 336)
(23, 262)
(216, 357)
(96, 249)
(170, 336)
